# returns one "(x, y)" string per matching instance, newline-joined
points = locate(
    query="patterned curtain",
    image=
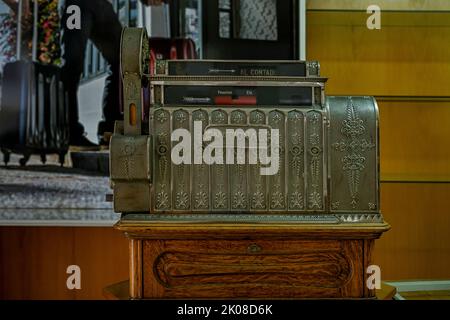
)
(258, 19)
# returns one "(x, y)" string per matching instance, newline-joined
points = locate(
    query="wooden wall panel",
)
(409, 56)
(415, 140)
(383, 4)
(418, 245)
(34, 261)
(406, 65)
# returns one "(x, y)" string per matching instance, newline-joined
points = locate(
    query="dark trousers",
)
(100, 24)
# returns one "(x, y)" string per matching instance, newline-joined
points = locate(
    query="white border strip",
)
(302, 29)
(57, 223)
(425, 285)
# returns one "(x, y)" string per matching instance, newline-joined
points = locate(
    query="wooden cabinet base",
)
(238, 261)
(121, 291)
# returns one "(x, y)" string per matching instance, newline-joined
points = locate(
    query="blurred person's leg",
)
(106, 33)
(73, 45)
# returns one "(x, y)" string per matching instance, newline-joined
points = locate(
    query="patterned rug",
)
(40, 192)
(51, 187)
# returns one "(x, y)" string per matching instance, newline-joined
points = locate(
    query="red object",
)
(152, 62)
(163, 48)
(170, 49)
(228, 100)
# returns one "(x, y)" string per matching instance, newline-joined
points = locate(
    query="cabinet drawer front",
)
(252, 269)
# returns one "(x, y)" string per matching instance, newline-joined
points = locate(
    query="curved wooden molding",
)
(310, 269)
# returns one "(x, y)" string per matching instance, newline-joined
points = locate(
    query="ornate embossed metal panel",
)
(328, 150)
(353, 159)
(241, 187)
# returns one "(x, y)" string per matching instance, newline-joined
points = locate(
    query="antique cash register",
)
(242, 179)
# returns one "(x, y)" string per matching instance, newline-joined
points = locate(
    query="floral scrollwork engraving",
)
(182, 200)
(353, 162)
(220, 200)
(162, 198)
(296, 200)
(239, 200)
(219, 117)
(315, 167)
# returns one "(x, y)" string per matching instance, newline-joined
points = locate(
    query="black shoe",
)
(83, 143)
(104, 132)
(104, 140)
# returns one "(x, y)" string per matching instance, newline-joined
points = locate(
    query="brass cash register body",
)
(327, 181)
(328, 148)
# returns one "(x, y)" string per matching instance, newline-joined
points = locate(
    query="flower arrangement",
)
(7, 39)
(49, 32)
(48, 46)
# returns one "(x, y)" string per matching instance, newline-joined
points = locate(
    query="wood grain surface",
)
(34, 260)
(230, 269)
(406, 65)
(217, 260)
